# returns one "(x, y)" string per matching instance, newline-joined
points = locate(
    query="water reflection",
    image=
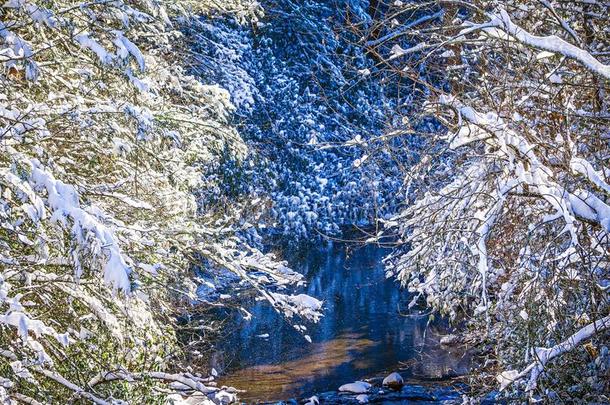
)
(361, 333)
(290, 378)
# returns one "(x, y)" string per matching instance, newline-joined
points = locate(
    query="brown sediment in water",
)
(361, 335)
(273, 381)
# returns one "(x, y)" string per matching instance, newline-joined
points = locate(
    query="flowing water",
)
(361, 334)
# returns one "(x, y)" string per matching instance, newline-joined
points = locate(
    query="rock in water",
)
(362, 399)
(313, 401)
(394, 381)
(358, 387)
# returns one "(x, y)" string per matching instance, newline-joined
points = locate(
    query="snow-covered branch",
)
(502, 21)
(545, 355)
(509, 220)
(105, 139)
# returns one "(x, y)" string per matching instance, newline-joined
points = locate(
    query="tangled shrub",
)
(103, 141)
(509, 223)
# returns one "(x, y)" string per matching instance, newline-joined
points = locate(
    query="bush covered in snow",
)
(510, 223)
(104, 137)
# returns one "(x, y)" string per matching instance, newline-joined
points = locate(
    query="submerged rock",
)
(411, 393)
(393, 381)
(362, 398)
(358, 387)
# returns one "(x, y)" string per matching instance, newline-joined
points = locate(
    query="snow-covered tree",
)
(104, 137)
(509, 223)
(308, 104)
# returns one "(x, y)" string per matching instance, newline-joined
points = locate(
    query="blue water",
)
(361, 334)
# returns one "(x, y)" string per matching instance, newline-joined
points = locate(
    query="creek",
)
(365, 332)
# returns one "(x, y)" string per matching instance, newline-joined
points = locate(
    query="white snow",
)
(506, 378)
(358, 387)
(87, 42)
(582, 166)
(63, 201)
(126, 47)
(544, 355)
(404, 28)
(314, 400)
(551, 43)
(301, 304)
